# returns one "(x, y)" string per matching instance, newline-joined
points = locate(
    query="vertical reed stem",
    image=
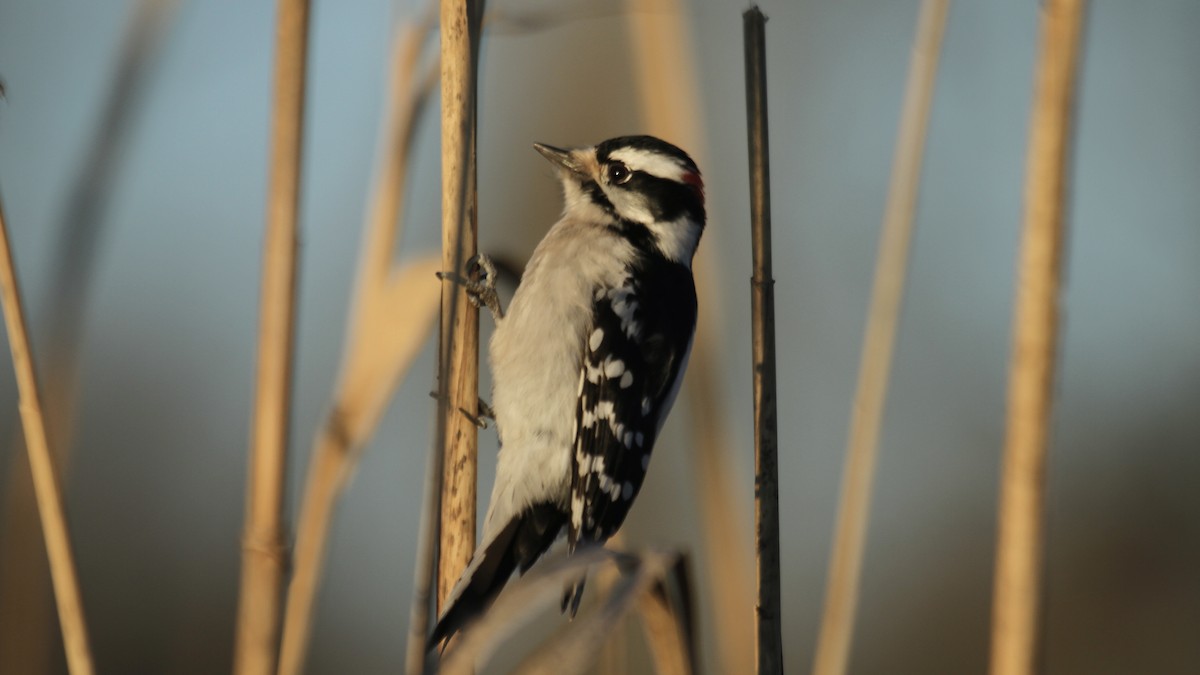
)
(45, 482)
(769, 644)
(459, 344)
(26, 610)
(394, 310)
(264, 549)
(448, 512)
(1035, 334)
(845, 563)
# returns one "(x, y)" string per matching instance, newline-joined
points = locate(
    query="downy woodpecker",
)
(588, 359)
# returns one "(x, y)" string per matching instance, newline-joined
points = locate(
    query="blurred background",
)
(135, 200)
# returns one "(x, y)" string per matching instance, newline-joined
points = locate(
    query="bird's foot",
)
(485, 415)
(480, 284)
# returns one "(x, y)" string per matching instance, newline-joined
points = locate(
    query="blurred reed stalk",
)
(642, 577)
(666, 77)
(45, 481)
(416, 652)
(767, 615)
(669, 627)
(393, 313)
(26, 612)
(845, 563)
(458, 346)
(669, 647)
(264, 543)
(614, 656)
(1015, 608)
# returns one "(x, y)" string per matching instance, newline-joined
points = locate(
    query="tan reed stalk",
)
(667, 86)
(614, 656)
(26, 612)
(525, 597)
(671, 648)
(459, 343)
(394, 309)
(1015, 606)
(45, 482)
(447, 530)
(573, 649)
(424, 572)
(845, 562)
(264, 547)
(767, 615)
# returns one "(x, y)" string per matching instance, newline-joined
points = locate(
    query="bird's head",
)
(642, 185)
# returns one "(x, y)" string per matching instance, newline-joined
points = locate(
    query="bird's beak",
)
(565, 159)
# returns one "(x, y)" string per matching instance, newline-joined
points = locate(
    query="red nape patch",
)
(696, 182)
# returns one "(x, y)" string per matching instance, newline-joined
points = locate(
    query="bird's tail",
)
(516, 546)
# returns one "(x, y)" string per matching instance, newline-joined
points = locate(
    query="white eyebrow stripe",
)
(652, 163)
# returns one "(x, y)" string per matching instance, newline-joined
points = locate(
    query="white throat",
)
(677, 239)
(577, 203)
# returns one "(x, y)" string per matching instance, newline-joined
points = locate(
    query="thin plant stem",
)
(1015, 605)
(394, 310)
(845, 562)
(767, 615)
(264, 549)
(415, 661)
(45, 481)
(26, 612)
(670, 102)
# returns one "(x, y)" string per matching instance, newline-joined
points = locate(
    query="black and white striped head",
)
(644, 186)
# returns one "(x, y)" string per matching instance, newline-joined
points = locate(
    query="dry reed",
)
(264, 549)
(614, 656)
(417, 651)
(574, 650)
(45, 480)
(393, 312)
(668, 93)
(669, 647)
(668, 626)
(447, 529)
(575, 647)
(845, 563)
(458, 353)
(1035, 334)
(767, 615)
(26, 613)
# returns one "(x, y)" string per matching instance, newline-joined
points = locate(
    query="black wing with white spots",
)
(634, 355)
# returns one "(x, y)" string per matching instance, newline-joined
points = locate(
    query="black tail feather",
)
(517, 546)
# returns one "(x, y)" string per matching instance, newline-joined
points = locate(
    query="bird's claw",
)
(480, 284)
(483, 419)
(481, 288)
(486, 412)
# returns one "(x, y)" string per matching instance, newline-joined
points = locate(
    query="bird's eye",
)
(618, 173)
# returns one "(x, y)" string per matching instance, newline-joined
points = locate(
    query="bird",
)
(588, 360)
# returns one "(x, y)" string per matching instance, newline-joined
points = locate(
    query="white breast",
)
(536, 354)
